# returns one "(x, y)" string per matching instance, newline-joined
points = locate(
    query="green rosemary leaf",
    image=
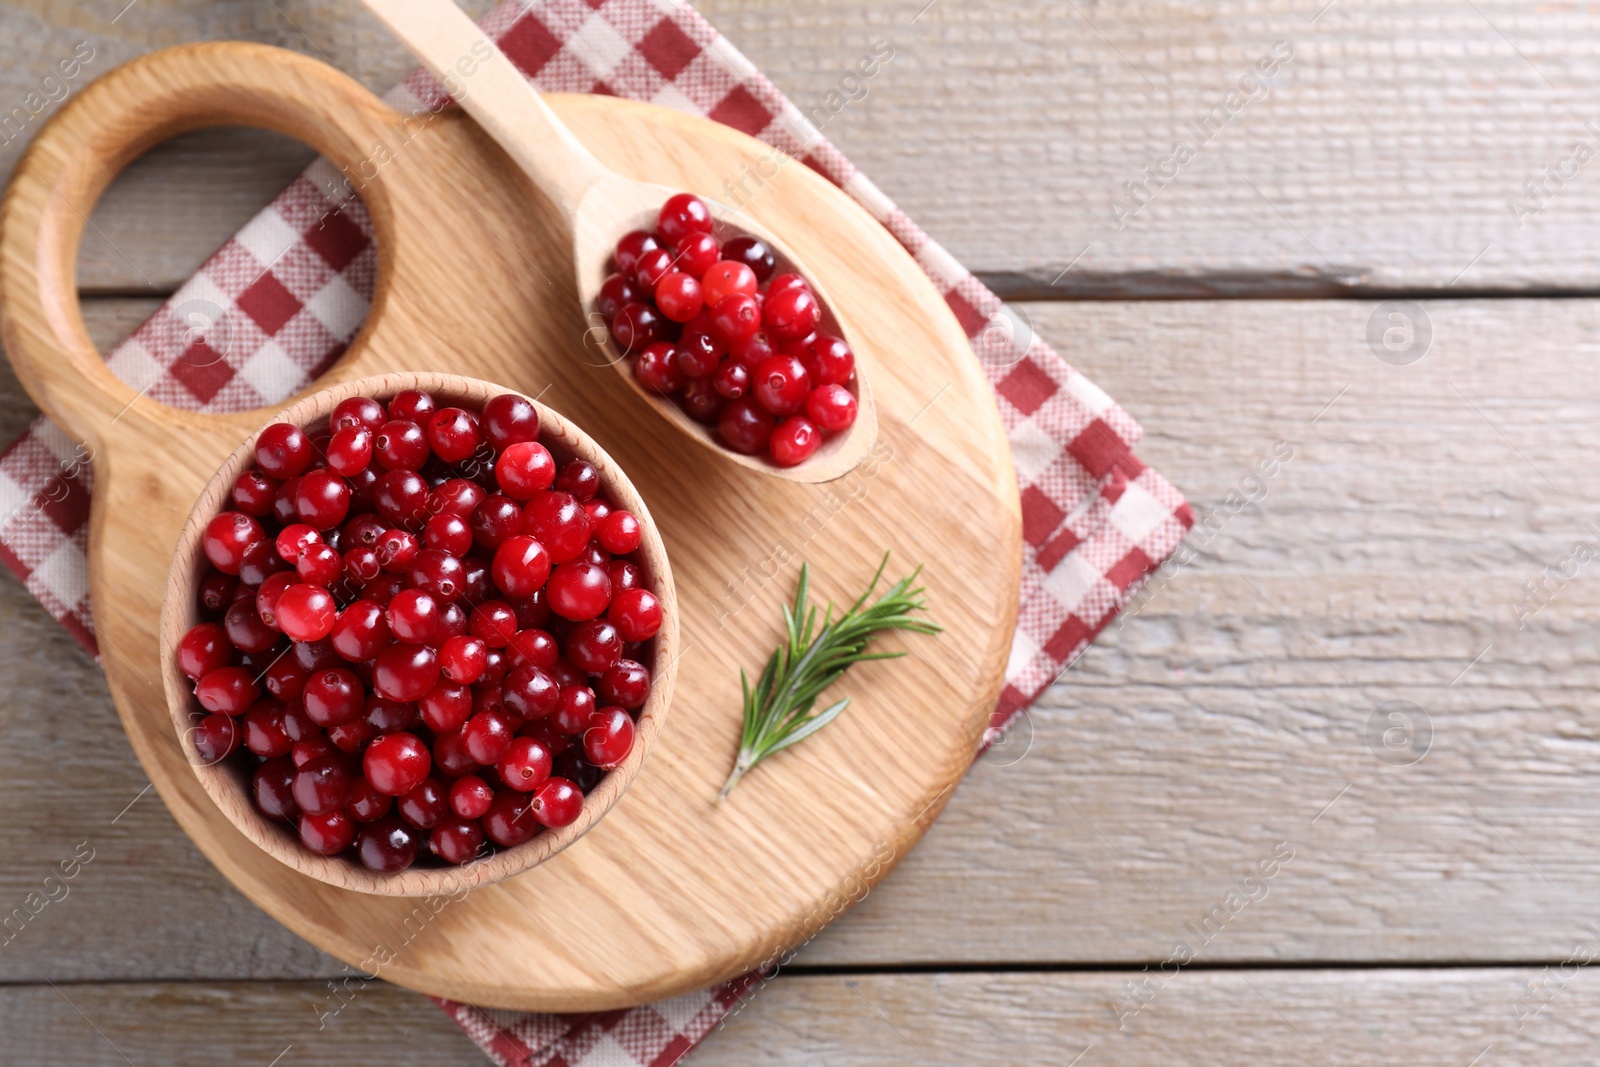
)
(778, 711)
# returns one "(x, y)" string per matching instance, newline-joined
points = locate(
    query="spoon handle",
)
(490, 88)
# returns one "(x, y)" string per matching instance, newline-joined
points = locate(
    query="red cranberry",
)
(253, 493)
(631, 247)
(745, 427)
(328, 834)
(732, 380)
(387, 845)
(387, 716)
(273, 786)
(534, 647)
(697, 356)
(636, 613)
(831, 407)
(470, 796)
(580, 479)
(735, 318)
(609, 738)
(453, 434)
(283, 501)
(829, 361)
(319, 565)
(701, 401)
(521, 565)
(681, 216)
(450, 755)
(283, 451)
(525, 765)
(794, 441)
(593, 646)
(619, 533)
(405, 672)
(651, 268)
(448, 533)
(657, 369)
(624, 574)
(264, 732)
(352, 737)
(226, 538)
(361, 631)
(247, 630)
(626, 684)
(426, 805)
(217, 591)
(494, 622)
(366, 803)
(524, 469)
(285, 679)
(781, 384)
(303, 752)
(531, 693)
(203, 650)
(573, 713)
(400, 445)
(753, 349)
(791, 314)
(396, 549)
(787, 281)
(306, 612)
(445, 707)
(455, 496)
(487, 735)
(509, 821)
(636, 327)
(322, 785)
(216, 737)
(462, 659)
(679, 297)
(401, 497)
(413, 616)
(615, 291)
(560, 524)
(728, 278)
(359, 412)
(350, 450)
(579, 590)
(260, 562)
(316, 655)
(456, 840)
(333, 697)
(396, 763)
(494, 520)
(696, 254)
(753, 253)
(557, 803)
(412, 405)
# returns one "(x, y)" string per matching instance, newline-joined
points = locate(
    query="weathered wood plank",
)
(1387, 155)
(1186, 744)
(1426, 1018)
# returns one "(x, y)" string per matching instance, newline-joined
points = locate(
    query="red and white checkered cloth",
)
(281, 300)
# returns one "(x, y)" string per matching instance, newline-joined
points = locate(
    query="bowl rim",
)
(227, 788)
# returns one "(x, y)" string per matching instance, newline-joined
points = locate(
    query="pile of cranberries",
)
(423, 634)
(737, 347)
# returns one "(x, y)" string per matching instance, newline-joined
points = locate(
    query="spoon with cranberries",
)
(719, 328)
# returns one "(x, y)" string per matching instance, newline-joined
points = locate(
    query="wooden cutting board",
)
(674, 889)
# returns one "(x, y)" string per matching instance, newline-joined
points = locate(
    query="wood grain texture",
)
(1194, 735)
(1427, 1018)
(1384, 157)
(715, 888)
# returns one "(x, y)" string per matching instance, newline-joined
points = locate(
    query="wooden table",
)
(1431, 910)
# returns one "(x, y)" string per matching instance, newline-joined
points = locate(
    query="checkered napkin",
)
(281, 301)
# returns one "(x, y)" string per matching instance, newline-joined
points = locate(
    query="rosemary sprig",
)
(777, 712)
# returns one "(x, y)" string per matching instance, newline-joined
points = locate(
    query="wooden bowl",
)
(228, 784)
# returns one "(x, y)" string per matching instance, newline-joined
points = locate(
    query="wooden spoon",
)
(599, 205)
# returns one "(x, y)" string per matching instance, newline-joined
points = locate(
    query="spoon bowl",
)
(600, 206)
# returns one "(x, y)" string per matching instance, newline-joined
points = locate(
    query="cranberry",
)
(456, 840)
(636, 613)
(579, 590)
(319, 565)
(359, 412)
(494, 622)
(728, 278)
(560, 524)
(701, 401)
(829, 361)
(531, 693)
(579, 478)
(273, 787)
(781, 384)
(615, 291)
(791, 314)
(631, 247)
(525, 765)
(412, 405)
(593, 646)
(609, 738)
(426, 805)
(735, 318)
(494, 520)
(521, 565)
(284, 678)
(216, 737)
(449, 533)
(283, 501)
(303, 752)
(470, 796)
(753, 349)
(453, 434)
(624, 574)
(732, 380)
(217, 591)
(226, 538)
(596, 510)
(306, 612)
(350, 450)
(786, 281)
(405, 672)
(794, 441)
(396, 549)
(509, 821)
(455, 496)
(525, 469)
(753, 253)
(253, 493)
(445, 707)
(387, 716)
(487, 735)
(400, 445)
(580, 772)
(682, 215)
(247, 630)
(626, 684)
(462, 659)
(283, 451)
(387, 845)
(264, 732)
(557, 803)
(396, 763)
(657, 369)
(744, 426)
(260, 562)
(413, 616)
(679, 297)
(573, 713)
(697, 356)
(401, 497)
(619, 533)
(316, 655)
(366, 803)
(333, 697)
(322, 785)
(534, 647)
(696, 254)
(361, 631)
(352, 737)
(203, 650)
(831, 407)
(328, 834)
(651, 268)
(636, 327)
